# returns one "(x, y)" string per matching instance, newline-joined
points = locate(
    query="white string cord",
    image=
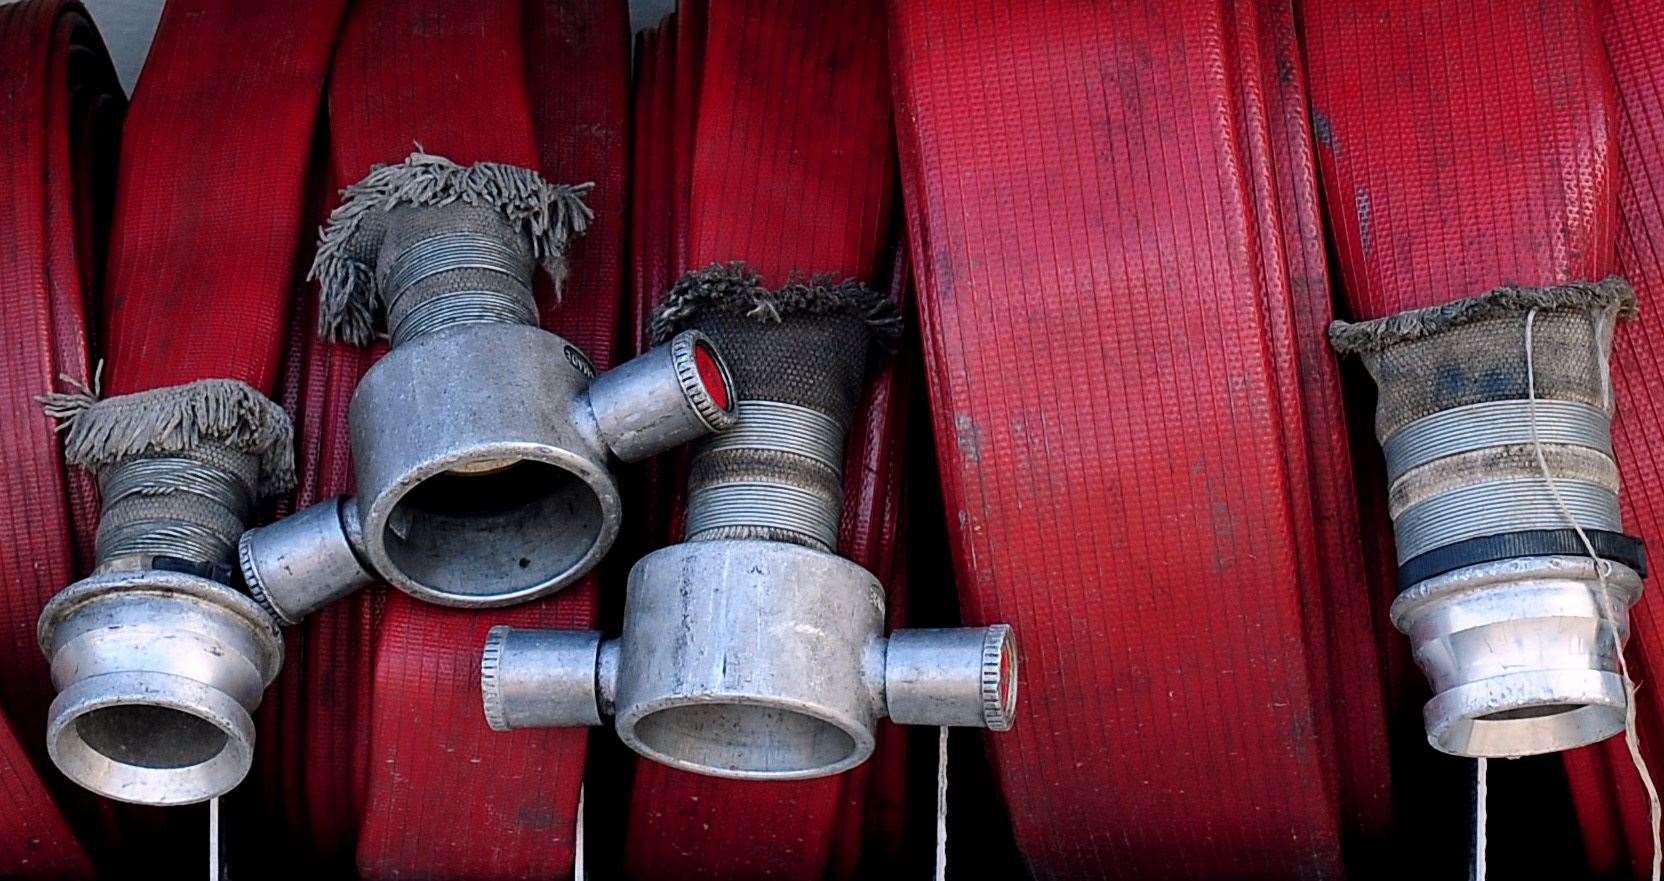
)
(1632, 737)
(942, 805)
(1481, 791)
(578, 873)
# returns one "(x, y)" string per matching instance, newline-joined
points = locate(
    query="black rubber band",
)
(1614, 546)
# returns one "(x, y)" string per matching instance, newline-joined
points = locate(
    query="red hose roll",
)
(1611, 802)
(777, 119)
(60, 121)
(1121, 303)
(444, 796)
(1464, 146)
(213, 186)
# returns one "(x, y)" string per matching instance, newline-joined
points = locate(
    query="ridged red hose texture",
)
(1119, 293)
(1610, 800)
(443, 796)
(212, 187)
(60, 115)
(1464, 146)
(789, 146)
(212, 191)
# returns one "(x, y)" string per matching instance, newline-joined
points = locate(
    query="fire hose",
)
(159, 661)
(750, 69)
(1116, 293)
(1477, 263)
(60, 123)
(423, 59)
(1486, 240)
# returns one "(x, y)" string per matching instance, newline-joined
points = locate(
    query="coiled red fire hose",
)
(1463, 147)
(457, 79)
(1611, 801)
(203, 264)
(765, 126)
(1122, 302)
(60, 123)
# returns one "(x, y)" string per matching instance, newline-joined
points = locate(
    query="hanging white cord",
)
(216, 851)
(578, 873)
(1632, 737)
(1481, 791)
(942, 805)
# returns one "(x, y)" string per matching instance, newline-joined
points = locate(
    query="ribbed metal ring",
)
(163, 475)
(1500, 506)
(451, 251)
(786, 428)
(256, 588)
(1494, 423)
(683, 354)
(999, 700)
(491, 693)
(163, 538)
(763, 505)
(462, 307)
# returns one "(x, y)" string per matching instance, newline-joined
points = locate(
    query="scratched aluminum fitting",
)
(1522, 653)
(727, 667)
(158, 673)
(482, 458)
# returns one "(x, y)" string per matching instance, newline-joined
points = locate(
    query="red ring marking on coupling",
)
(1008, 682)
(711, 375)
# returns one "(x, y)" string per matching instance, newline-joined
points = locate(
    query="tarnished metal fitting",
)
(751, 650)
(480, 441)
(305, 561)
(158, 674)
(158, 662)
(1515, 575)
(751, 659)
(1522, 653)
(481, 456)
(497, 490)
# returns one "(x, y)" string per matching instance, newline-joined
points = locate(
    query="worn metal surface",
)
(755, 660)
(1522, 654)
(541, 678)
(659, 400)
(157, 673)
(482, 481)
(305, 561)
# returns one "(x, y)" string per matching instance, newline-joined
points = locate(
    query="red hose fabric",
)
(60, 115)
(1434, 194)
(202, 260)
(1610, 800)
(789, 148)
(1121, 300)
(444, 796)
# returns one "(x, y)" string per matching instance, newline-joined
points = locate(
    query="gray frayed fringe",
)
(1373, 336)
(551, 215)
(177, 419)
(735, 289)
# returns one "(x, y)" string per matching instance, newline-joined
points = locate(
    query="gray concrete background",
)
(129, 25)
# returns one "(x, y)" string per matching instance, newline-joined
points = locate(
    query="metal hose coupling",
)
(1515, 575)
(159, 663)
(480, 442)
(752, 650)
